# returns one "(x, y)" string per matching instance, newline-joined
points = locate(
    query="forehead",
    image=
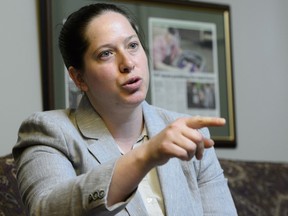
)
(108, 23)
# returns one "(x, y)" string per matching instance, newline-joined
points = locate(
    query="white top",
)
(149, 187)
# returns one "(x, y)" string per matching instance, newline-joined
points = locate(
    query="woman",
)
(115, 154)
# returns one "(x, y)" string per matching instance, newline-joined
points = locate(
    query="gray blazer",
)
(65, 162)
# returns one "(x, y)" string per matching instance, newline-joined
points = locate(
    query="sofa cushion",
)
(10, 201)
(258, 188)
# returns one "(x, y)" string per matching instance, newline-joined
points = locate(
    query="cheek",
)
(102, 80)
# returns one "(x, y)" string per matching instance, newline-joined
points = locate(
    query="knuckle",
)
(197, 136)
(172, 128)
(169, 132)
(192, 147)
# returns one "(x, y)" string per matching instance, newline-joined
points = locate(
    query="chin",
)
(135, 100)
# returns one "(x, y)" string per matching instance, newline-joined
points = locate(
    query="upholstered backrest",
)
(10, 201)
(258, 188)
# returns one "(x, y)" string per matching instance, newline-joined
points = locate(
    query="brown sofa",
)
(258, 188)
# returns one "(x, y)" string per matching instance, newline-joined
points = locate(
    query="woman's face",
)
(116, 67)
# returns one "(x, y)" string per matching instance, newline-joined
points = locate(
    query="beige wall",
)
(260, 48)
(20, 68)
(260, 51)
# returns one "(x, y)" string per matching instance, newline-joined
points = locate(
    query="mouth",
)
(131, 81)
(132, 84)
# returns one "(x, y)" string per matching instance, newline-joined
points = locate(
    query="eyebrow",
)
(129, 38)
(108, 44)
(125, 41)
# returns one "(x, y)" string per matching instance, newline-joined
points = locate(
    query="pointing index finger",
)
(198, 122)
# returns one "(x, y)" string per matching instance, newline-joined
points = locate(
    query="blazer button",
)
(96, 195)
(101, 194)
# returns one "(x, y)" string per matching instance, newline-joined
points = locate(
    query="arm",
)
(52, 174)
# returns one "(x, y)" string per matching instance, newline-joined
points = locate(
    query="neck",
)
(125, 125)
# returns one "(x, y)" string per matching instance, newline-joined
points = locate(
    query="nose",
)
(126, 63)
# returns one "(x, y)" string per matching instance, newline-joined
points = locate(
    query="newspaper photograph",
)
(184, 66)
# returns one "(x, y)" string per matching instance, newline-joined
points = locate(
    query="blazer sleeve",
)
(47, 177)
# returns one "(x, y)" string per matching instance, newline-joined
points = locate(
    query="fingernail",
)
(222, 120)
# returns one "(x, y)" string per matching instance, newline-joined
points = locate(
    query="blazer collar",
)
(100, 141)
(92, 126)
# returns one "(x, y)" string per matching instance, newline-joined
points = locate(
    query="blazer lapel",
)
(176, 191)
(177, 195)
(100, 142)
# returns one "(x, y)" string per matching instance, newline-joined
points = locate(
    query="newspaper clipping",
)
(184, 70)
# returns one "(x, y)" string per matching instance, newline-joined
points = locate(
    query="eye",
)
(133, 45)
(105, 54)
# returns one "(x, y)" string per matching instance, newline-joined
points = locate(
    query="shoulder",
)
(49, 118)
(55, 123)
(49, 128)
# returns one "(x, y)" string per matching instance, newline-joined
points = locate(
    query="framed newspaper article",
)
(188, 44)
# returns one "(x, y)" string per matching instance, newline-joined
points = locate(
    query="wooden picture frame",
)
(189, 18)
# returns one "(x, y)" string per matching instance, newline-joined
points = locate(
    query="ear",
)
(77, 77)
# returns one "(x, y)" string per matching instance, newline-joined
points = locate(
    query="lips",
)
(132, 80)
(133, 84)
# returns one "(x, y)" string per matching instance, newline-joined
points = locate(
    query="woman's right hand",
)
(181, 139)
